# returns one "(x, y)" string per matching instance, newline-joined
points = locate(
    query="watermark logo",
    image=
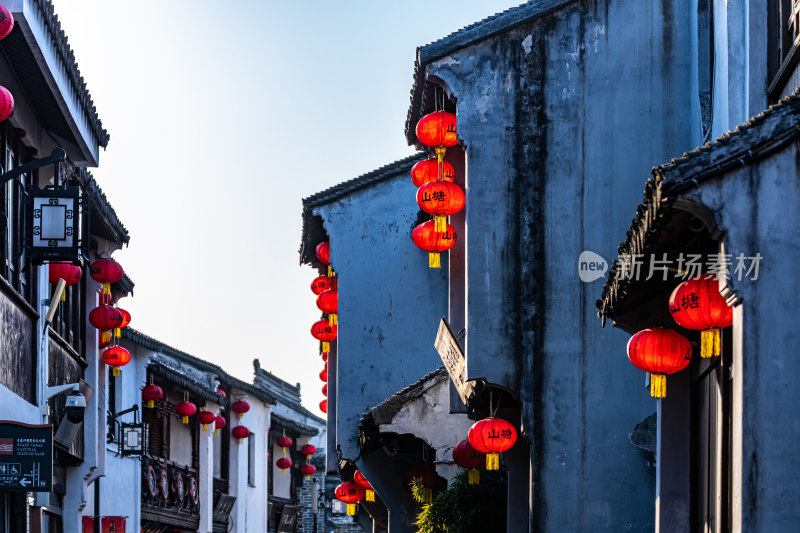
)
(591, 266)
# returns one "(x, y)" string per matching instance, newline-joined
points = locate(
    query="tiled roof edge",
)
(67, 57)
(469, 35)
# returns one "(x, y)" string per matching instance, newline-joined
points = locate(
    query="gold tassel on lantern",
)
(332, 319)
(433, 260)
(709, 343)
(441, 223)
(326, 346)
(492, 461)
(658, 385)
(474, 476)
(370, 497)
(351, 509)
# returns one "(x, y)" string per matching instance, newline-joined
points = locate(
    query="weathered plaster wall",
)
(390, 301)
(759, 209)
(562, 119)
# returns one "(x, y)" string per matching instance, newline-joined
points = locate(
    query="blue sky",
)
(223, 116)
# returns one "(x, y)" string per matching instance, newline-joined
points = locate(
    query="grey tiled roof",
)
(758, 137)
(313, 232)
(387, 409)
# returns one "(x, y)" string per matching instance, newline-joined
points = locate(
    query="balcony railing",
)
(170, 493)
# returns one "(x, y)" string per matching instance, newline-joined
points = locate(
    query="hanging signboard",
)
(26, 457)
(454, 361)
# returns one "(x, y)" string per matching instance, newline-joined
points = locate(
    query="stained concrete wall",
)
(390, 302)
(562, 118)
(759, 208)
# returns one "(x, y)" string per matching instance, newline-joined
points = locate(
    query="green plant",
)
(465, 508)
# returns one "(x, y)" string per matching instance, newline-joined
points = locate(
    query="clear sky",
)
(223, 116)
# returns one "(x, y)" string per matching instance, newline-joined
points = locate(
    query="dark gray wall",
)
(562, 118)
(759, 209)
(390, 302)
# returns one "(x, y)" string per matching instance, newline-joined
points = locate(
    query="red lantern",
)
(659, 352)
(240, 432)
(308, 470)
(322, 330)
(308, 450)
(219, 423)
(321, 283)
(151, 393)
(369, 492)
(105, 317)
(6, 22)
(442, 199)
(240, 407)
(323, 406)
(325, 389)
(427, 238)
(324, 375)
(103, 339)
(697, 304)
(185, 410)
(438, 130)
(6, 103)
(325, 357)
(206, 418)
(328, 302)
(350, 493)
(465, 456)
(426, 473)
(116, 356)
(324, 252)
(283, 463)
(106, 271)
(492, 436)
(284, 442)
(428, 170)
(71, 274)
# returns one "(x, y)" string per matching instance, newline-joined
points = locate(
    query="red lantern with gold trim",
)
(116, 356)
(151, 393)
(492, 436)
(240, 407)
(465, 456)
(697, 304)
(434, 242)
(350, 493)
(308, 470)
(184, 410)
(283, 463)
(320, 284)
(6, 22)
(369, 492)
(328, 302)
(441, 199)
(206, 418)
(324, 331)
(659, 352)
(241, 433)
(427, 170)
(219, 423)
(105, 317)
(437, 130)
(71, 274)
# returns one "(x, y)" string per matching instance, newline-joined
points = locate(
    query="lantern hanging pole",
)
(56, 156)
